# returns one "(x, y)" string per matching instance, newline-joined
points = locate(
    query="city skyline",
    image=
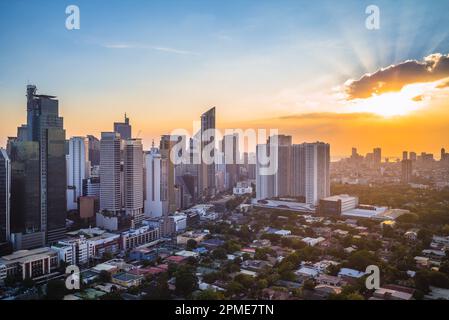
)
(165, 63)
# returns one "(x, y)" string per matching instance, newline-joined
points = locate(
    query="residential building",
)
(78, 169)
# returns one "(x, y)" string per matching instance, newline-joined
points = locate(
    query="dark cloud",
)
(393, 78)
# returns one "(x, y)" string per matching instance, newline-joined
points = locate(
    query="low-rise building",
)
(138, 237)
(197, 236)
(29, 263)
(312, 241)
(127, 280)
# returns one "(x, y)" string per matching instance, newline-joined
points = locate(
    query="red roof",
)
(175, 259)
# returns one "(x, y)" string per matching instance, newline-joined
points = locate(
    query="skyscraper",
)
(406, 168)
(283, 178)
(5, 192)
(39, 171)
(166, 144)
(78, 169)
(133, 179)
(377, 156)
(124, 128)
(156, 203)
(207, 170)
(94, 150)
(231, 154)
(110, 196)
(303, 171)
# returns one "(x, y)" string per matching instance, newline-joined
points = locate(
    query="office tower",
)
(413, 156)
(5, 193)
(377, 156)
(406, 170)
(354, 153)
(45, 142)
(133, 179)
(298, 171)
(156, 203)
(265, 182)
(124, 128)
(110, 196)
(94, 150)
(404, 155)
(231, 155)
(166, 144)
(91, 187)
(444, 155)
(207, 171)
(282, 178)
(78, 169)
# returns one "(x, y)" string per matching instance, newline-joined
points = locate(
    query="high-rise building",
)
(413, 156)
(39, 172)
(78, 169)
(231, 155)
(166, 144)
(404, 155)
(94, 150)
(407, 170)
(377, 156)
(123, 128)
(444, 156)
(110, 196)
(207, 170)
(5, 193)
(133, 179)
(156, 203)
(283, 178)
(303, 171)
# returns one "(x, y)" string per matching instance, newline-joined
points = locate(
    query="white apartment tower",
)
(78, 169)
(156, 203)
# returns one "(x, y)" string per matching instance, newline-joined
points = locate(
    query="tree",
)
(28, 283)
(104, 276)
(234, 288)
(10, 281)
(56, 290)
(185, 280)
(219, 253)
(361, 259)
(159, 290)
(191, 244)
(309, 285)
(209, 294)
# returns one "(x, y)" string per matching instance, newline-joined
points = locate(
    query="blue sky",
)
(167, 61)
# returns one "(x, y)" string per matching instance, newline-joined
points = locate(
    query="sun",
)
(411, 98)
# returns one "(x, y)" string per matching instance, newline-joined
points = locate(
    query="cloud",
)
(147, 47)
(443, 84)
(393, 78)
(330, 116)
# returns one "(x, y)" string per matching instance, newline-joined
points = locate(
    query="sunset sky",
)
(308, 68)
